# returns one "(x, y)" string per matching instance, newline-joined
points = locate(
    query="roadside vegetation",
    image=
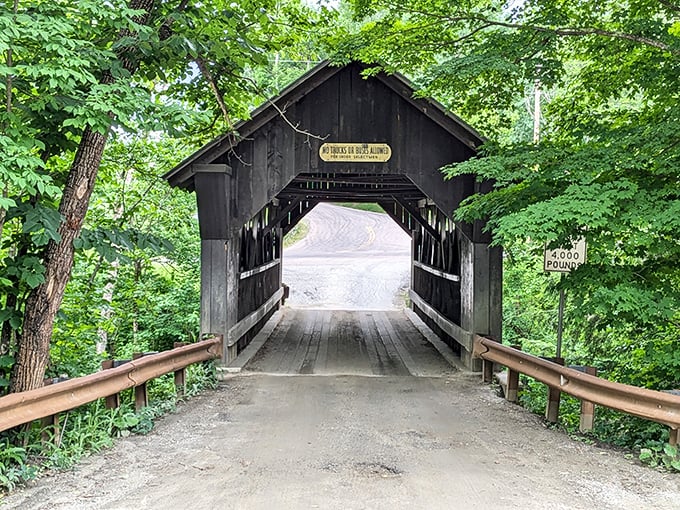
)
(363, 207)
(296, 234)
(28, 453)
(579, 105)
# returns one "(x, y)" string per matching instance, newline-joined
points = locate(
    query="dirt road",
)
(353, 442)
(349, 260)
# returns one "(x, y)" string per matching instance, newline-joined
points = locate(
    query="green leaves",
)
(112, 244)
(666, 456)
(6, 363)
(41, 222)
(607, 166)
(27, 269)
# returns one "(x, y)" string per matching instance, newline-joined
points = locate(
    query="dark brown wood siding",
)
(347, 108)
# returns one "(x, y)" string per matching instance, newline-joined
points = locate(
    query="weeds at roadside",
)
(661, 455)
(612, 429)
(297, 233)
(91, 428)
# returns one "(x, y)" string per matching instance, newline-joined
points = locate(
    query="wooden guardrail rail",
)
(19, 408)
(648, 404)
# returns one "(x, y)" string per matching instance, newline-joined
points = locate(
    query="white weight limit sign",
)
(563, 260)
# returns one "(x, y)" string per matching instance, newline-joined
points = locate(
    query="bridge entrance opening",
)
(348, 259)
(335, 136)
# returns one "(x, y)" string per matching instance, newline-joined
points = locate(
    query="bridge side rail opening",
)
(47, 402)
(648, 404)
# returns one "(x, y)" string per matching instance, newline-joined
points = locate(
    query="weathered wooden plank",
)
(239, 329)
(463, 337)
(431, 356)
(298, 356)
(352, 348)
(437, 272)
(259, 269)
(312, 354)
(370, 333)
(415, 214)
(212, 196)
(403, 352)
(496, 293)
(395, 361)
(214, 276)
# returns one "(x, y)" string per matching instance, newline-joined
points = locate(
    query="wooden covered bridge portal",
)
(336, 136)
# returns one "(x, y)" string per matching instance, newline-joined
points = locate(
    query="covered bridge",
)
(336, 136)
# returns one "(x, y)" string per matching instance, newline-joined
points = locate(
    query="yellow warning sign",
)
(356, 152)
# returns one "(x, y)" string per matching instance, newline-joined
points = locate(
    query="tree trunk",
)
(44, 301)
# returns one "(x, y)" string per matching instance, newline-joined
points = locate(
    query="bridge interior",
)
(339, 342)
(252, 188)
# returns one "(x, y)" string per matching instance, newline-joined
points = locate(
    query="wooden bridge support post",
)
(513, 386)
(587, 408)
(674, 437)
(552, 409)
(219, 289)
(279, 255)
(512, 391)
(487, 371)
(180, 375)
(220, 246)
(47, 423)
(481, 293)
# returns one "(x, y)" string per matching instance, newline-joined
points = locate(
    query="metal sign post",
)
(563, 260)
(560, 319)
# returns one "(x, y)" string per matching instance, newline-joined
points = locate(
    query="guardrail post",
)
(674, 437)
(587, 408)
(552, 409)
(487, 371)
(513, 381)
(141, 395)
(50, 422)
(112, 401)
(180, 375)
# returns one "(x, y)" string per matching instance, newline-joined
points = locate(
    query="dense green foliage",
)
(158, 84)
(184, 71)
(91, 428)
(608, 164)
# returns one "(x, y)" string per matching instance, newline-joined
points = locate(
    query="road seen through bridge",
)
(349, 260)
(346, 411)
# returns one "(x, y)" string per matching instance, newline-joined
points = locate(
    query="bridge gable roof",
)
(182, 175)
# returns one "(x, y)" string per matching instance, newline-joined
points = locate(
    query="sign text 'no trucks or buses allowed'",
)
(563, 260)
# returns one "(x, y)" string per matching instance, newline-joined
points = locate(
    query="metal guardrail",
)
(648, 404)
(25, 407)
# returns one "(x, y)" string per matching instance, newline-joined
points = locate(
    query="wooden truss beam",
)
(281, 215)
(415, 214)
(389, 208)
(297, 215)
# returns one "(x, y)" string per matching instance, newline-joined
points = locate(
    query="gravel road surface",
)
(353, 442)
